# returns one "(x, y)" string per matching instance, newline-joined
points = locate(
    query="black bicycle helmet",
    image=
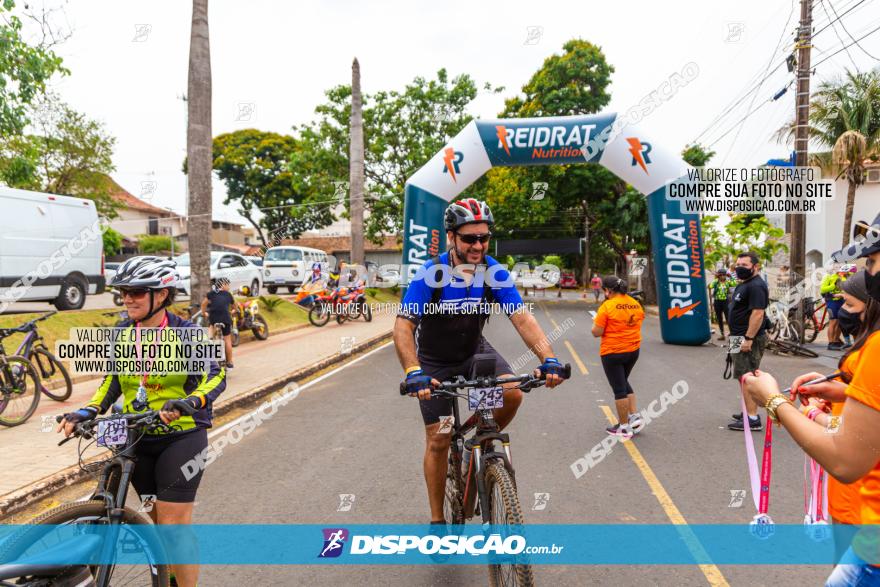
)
(467, 211)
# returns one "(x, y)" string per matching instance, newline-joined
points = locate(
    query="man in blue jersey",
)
(439, 330)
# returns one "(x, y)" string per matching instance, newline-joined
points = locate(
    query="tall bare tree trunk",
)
(848, 212)
(587, 273)
(356, 166)
(199, 151)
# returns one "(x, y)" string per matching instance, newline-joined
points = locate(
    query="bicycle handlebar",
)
(148, 419)
(527, 382)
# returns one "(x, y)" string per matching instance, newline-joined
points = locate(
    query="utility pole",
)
(356, 167)
(802, 133)
(802, 139)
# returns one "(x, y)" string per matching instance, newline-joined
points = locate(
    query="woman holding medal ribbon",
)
(148, 286)
(848, 446)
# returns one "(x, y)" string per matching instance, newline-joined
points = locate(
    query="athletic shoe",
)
(624, 432)
(721, 337)
(835, 346)
(738, 417)
(440, 529)
(754, 424)
(636, 423)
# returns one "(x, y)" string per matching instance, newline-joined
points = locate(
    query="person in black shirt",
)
(746, 318)
(216, 306)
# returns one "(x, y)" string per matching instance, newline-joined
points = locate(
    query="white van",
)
(289, 266)
(51, 249)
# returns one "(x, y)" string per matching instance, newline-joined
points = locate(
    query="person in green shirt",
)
(719, 291)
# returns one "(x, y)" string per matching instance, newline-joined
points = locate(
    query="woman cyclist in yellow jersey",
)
(619, 323)
(163, 467)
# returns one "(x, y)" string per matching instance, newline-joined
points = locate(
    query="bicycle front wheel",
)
(19, 391)
(793, 348)
(54, 379)
(505, 510)
(35, 538)
(319, 315)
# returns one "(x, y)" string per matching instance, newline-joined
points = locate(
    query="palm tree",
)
(845, 117)
(199, 151)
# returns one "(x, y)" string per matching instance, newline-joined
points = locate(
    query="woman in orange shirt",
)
(852, 452)
(619, 323)
(843, 500)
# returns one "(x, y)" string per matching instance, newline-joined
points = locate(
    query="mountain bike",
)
(19, 385)
(101, 520)
(480, 479)
(54, 379)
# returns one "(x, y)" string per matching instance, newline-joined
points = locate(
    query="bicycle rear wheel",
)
(811, 332)
(505, 510)
(54, 378)
(35, 537)
(19, 391)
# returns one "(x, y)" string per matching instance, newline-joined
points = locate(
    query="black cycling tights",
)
(617, 369)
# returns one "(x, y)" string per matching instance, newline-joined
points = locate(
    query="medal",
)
(762, 527)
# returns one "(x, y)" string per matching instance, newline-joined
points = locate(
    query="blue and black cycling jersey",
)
(450, 320)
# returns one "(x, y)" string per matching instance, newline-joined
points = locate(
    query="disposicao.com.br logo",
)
(451, 544)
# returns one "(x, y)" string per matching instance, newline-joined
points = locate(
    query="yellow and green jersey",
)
(162, 387)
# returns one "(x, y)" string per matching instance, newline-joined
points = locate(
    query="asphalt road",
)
(353, 434)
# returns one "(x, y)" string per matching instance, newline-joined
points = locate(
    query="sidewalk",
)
(30, 451)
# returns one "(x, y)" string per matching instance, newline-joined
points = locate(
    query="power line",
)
(756, 86)
(869, 33)
(837, 34)
(850, 35)
(755, 94)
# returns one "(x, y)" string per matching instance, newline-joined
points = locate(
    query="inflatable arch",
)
(602, 138)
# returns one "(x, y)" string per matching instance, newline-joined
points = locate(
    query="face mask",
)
(743, 273)
(849, 323)
(872, 283)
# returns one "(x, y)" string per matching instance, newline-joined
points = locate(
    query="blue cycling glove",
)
(551, 366)
(416, 380)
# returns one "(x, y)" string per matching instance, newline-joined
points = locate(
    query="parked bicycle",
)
(20, 387)
(480, 479)
(54, 379)
(106, 507)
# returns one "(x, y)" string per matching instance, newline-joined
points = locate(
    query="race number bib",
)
(734, 343)
(112, 433)
(482, 398)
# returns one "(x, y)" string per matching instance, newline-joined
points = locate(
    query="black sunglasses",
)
(135, 293)
(472, 239)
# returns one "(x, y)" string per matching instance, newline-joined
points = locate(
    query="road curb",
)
(27, 495)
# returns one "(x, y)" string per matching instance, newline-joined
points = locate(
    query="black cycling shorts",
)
(164, 463)
(226, 326)
(617, 368)
(436, 407)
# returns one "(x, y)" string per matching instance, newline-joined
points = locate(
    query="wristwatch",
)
(773, 403)
(747, 337)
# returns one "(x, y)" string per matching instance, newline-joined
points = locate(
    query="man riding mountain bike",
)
(148, 286)
(438, 331)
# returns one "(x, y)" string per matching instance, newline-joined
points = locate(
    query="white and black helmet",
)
(147, 272)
